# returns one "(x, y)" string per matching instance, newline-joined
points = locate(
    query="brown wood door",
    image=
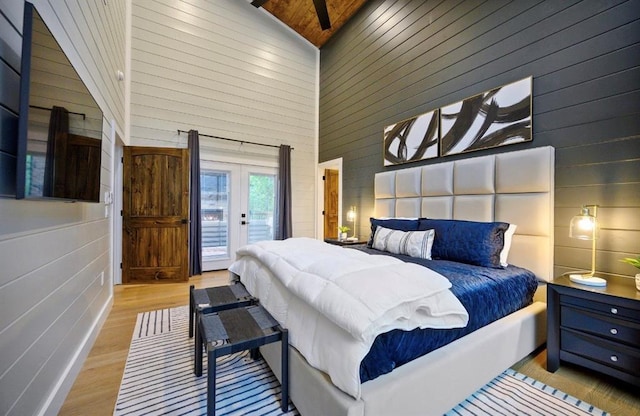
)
(155, 215)
(331, 178)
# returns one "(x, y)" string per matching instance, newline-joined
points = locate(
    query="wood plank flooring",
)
(96, 387)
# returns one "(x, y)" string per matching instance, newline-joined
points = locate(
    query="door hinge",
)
(121, 213)
(121, 265)
(122, 159)
(324, 178)
(322, 212)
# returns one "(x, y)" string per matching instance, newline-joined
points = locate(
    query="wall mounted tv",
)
(60, 123)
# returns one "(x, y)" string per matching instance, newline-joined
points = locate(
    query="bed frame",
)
(515, 187)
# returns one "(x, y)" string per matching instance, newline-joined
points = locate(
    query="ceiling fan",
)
(321, 11)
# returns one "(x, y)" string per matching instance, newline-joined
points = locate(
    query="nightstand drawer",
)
(612, 328)
(607, 309)
(608, 353)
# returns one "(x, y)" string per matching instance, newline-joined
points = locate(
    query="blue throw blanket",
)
(488, 294)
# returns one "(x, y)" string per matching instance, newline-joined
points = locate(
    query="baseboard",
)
(54, 402)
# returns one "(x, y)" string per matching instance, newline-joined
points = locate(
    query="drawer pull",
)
(613, 331)
(614, 358)
(614, 311)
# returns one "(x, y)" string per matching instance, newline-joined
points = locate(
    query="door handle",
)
(184, 221)
(244, 222)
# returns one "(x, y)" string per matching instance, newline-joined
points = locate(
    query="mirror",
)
(61, 137)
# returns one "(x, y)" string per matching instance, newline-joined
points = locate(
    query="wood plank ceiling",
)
(300, 15)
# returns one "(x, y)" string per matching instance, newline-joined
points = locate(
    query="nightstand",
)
(345, 242)
(595, 327)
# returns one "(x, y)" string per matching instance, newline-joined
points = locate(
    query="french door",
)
(238, 208)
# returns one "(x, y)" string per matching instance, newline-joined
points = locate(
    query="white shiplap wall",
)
(52, 254)
(226, 69)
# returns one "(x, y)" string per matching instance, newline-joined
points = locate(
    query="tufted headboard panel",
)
(514, 187)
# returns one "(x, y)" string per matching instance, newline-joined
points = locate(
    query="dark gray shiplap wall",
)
(398, 59)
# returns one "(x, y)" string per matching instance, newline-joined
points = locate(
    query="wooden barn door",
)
(155, 215)
(331, 189)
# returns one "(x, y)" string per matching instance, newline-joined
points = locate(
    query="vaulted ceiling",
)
(303, 18)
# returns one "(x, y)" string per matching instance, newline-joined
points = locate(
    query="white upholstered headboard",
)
(514, 187)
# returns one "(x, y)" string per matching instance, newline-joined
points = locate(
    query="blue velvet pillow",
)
(402, 224)
(471, 242)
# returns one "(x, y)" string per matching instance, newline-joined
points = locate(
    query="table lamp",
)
(351, 217)
(585, 227)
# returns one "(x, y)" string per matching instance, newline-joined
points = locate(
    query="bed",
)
(512, 188)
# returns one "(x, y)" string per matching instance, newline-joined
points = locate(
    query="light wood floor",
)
(96, 388)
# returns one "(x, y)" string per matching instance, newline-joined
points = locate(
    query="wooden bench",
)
(239, 329)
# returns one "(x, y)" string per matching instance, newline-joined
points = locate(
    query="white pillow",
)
(508, 235)
(411, 243)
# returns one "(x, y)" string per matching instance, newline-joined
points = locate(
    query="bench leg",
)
(192, 310)
(284, 345)
(211, 384)
(197, 353)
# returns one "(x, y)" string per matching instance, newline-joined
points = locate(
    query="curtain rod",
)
(84, 116)
(232, 140)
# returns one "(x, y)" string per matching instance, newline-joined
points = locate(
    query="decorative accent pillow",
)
(411, 243)
(478, 243)
(403, 224)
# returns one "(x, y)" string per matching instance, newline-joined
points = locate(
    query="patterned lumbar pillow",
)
(411, 243)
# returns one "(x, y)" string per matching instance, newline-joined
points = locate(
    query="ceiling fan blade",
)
(258, 3)
(323, 14)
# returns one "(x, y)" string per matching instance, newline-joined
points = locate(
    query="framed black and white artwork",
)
(411, 140)
(498, 117)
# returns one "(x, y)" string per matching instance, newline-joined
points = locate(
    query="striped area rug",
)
(158, 380)
(513, 393)
(158, 377)
(152, 323)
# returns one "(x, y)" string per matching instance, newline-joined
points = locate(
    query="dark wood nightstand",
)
(345, 242)
(595, 327)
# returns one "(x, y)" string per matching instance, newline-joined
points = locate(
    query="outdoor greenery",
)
(262, 189)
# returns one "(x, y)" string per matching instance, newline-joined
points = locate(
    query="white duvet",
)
(335, 301)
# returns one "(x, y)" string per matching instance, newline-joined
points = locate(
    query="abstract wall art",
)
(411, 140)
(498, 117)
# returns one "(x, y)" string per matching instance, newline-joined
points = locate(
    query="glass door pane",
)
(215, 199)
(237, 205)
(261, 209)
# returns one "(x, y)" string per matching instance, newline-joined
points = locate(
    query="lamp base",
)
(587, 280)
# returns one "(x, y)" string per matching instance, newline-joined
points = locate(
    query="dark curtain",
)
(58, 126)
(283, 214)
(195, 225)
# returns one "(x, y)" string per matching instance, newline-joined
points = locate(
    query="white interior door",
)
(238, 206)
